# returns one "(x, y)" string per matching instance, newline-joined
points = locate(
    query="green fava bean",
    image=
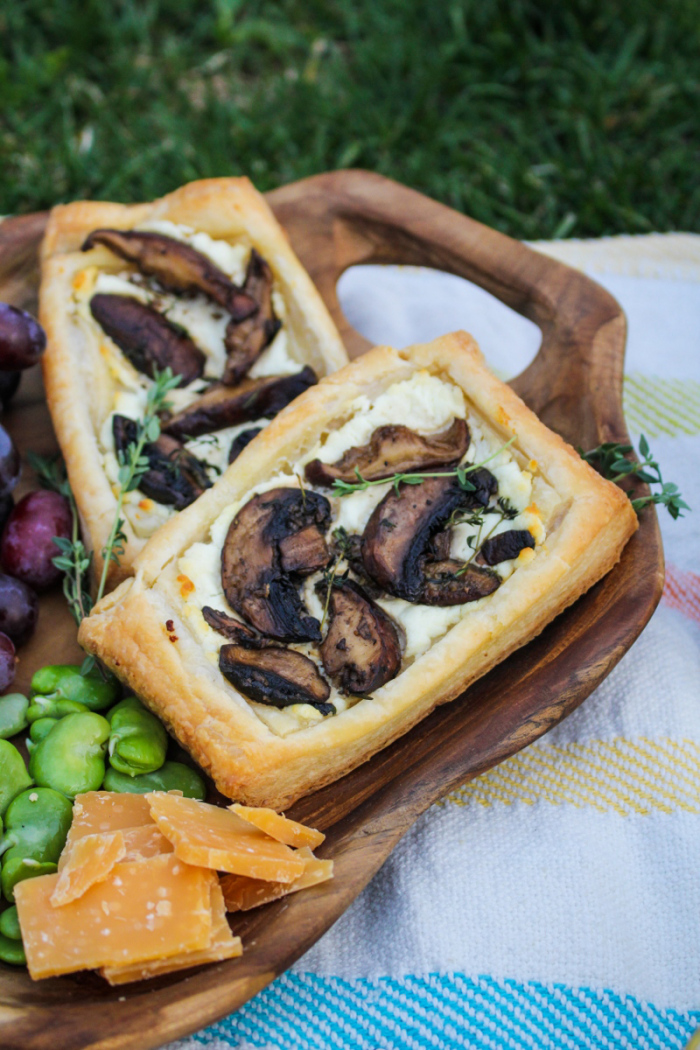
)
(36, 826)
(172, 776)
(65, 682)
(138, 742)
(71, 759)
(13, 714)
(53, 707)
(13, 774)
(9, 924)
(12, 951)
(41, 728)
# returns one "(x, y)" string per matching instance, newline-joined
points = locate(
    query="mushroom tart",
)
(202, 282)
(348, 572)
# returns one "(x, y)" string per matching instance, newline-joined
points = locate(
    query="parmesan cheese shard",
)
(223, 946)
(104, 811)
(242, 894)
(143, 843)
(150, 909)
(89, 861)
(216, 838)
(279, 827)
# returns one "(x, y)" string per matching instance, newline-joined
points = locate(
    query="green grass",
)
(543, 118)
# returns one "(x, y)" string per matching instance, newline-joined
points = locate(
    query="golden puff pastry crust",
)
(79, 387)
(141, 631)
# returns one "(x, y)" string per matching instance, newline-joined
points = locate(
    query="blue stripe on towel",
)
(305, 1012)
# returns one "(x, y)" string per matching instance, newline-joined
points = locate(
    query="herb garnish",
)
(610, 460)
(133, 465)
(74, 560)
(345, 488)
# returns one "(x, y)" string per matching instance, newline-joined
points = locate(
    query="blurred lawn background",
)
(544, 118)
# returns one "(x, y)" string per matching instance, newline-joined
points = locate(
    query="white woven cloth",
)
(555, 901)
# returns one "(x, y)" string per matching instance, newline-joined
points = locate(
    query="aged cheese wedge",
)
(242, 894)
(146, 910)
(89, 861)
(143, 843)
(223, 946)
(104, 811)
(216, 838)
(279, 827)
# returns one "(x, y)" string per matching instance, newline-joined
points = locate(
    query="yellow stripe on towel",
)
(621, 776)
(656, 406)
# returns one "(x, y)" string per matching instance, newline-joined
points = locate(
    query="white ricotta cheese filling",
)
(205, 322)
(428, 405)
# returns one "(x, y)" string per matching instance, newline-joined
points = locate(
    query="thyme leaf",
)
(610, 459)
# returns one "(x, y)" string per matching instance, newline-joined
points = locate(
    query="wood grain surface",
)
(335, 221)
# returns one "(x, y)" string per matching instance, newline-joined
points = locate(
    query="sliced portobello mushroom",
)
(230, 628)
(174, 477)
(242, 441)
(275, 676)
(304, 552)
(397, 536)
(449, 583)
(394, 449)
(176, 266)
(246, 339)
(226, 406)
(505, 546)
(361, 650)
(147, 338)
(254, 579)
(485, 486)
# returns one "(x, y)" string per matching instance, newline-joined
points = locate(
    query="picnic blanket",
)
(554, 901)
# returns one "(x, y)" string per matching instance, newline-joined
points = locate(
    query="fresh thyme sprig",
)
(345, 488)
(133, 464)
(610, 460)
(74, 561)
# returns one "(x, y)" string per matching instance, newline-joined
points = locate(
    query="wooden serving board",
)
(335, 221)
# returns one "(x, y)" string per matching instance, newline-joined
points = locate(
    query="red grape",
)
(7, 662)
(19, 609)
(9, 381)
(22, 339)
(10, 463)
(27, 547)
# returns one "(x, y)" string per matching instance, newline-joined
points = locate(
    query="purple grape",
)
(19, 609)
(7, 662)
(27, 547)
(10, 463)
(9, 381)
(22, 339)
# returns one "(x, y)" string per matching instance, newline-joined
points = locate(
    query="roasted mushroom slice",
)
(485, 486)
(505, 546)
(304, 552)
(361, 650)
(225, 406)
(232, 629)
(242, 441)
(176, 267)
(246, 340)
(254, 580)
(394, 449)
(275, 676)
(148, 340)
(174, 477)
(397, 536)
(450, 582)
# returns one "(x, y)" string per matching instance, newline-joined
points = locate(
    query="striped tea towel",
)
(554, 901)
